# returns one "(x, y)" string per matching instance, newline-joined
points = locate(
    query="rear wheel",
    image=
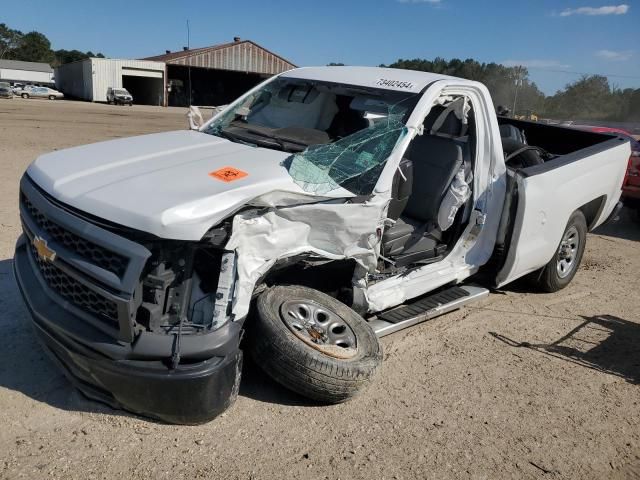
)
(25, 95)
(313, 344)
(561, 269)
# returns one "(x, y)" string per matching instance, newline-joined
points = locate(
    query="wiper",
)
(281, 141)
(234, 138)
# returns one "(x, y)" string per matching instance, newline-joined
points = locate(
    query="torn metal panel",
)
(329, 230)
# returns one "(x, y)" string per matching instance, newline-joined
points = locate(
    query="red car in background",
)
(631, 185)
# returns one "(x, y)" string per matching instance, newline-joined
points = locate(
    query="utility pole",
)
(187, 59)
(518, 84)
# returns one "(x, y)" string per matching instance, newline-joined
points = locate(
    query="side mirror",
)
(195, 118)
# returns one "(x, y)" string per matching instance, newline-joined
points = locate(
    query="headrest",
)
(447, 120)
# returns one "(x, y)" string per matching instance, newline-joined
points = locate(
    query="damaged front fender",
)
(334, 230)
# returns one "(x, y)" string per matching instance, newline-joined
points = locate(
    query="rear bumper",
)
(111, 371)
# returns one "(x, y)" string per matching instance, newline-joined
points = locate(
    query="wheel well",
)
(333, 277)
(592, 210)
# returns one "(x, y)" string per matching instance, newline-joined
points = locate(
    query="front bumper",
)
(122, 374)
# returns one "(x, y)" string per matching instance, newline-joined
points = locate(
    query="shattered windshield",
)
(339, 135)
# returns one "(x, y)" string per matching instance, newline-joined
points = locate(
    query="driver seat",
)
(432, 163)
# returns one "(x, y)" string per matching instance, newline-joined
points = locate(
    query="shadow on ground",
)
(258, 386)
(26, 368)
(604, 343)
(627, 226)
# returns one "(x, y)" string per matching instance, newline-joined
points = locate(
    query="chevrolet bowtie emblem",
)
(44, 252)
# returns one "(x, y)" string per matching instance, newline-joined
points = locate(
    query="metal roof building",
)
(218, 74)
(90, 78)
(26, 72)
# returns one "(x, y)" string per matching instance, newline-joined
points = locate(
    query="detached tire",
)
(313, 344)
(561, 269)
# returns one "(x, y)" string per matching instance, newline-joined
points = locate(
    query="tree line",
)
(36, 47)
(589, 98)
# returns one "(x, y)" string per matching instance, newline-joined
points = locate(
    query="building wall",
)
(23, 76)
(108, 73)
(89, 79)
(74, 79)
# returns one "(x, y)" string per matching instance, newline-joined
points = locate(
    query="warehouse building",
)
(26, 72)
(218, 74)
(90, 78)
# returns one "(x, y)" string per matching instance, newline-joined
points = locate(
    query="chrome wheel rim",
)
(567, 252)
(319, 327)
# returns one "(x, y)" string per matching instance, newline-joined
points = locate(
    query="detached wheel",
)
(313, 344)
(561, 269)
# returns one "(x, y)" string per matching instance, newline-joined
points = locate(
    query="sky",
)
(558, 40)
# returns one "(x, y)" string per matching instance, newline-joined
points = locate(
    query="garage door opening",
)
(209, 87)
(145, 91)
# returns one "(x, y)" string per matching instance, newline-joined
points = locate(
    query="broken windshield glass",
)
(341, 135)
(354, 162)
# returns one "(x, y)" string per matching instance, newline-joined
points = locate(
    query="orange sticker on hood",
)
(228, 174)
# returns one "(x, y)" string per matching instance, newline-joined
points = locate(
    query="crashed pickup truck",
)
(325, 208)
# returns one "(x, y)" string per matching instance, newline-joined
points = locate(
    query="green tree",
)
(34, 47)
(9, 40)
(67, 56)
(500, 80)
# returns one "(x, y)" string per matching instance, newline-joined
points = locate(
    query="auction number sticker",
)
(228, 174)
(385, 82)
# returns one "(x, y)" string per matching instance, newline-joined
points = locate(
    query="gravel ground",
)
(523, 385)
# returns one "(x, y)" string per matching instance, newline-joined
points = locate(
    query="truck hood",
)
(165, 184)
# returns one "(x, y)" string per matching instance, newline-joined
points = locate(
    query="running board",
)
(425, 308)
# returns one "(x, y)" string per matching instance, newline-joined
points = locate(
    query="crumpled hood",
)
(162, 183)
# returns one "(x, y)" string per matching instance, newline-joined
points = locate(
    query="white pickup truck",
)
(323, 209)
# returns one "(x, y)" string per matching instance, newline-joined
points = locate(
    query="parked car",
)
(17, 87)
(631, 187)
(119, 96)
(323, 209)
(41, 92)
(6, 92)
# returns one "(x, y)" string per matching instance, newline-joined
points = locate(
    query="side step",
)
(425, 308)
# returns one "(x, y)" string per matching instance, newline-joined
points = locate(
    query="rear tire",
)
(25, 95)
(329, 370)
(561, 269)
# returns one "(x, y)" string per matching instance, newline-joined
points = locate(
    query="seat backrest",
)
(401, 189)
(509, 131)
(436, 160)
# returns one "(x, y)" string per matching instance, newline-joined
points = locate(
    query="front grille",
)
(95, 254)
(75, 292)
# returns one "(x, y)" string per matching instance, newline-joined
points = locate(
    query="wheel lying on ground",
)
(561, 269)
(313, 344)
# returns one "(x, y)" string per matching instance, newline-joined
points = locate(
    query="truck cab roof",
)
(386, 78)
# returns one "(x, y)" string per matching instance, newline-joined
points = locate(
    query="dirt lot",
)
(523, 385)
